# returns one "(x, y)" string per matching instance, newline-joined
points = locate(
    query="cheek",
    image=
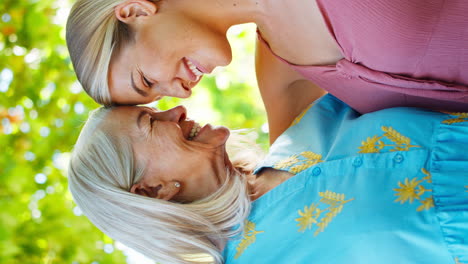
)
(157, 45)
(204, 185)
(155, 51)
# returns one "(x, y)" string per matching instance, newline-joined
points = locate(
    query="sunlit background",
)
(42, 108)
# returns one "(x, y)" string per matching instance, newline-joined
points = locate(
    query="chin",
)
(225, 132)
(223, 57)
(227, 57)
(214, 137)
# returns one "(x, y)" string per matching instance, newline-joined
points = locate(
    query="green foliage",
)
(42, 108)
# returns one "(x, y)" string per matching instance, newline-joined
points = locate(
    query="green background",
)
(42, 108)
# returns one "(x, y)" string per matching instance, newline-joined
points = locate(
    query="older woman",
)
(372, 54)
(336, 187)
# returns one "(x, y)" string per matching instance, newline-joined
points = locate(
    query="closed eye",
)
(145, 80)
(151, 120)
(147, 129)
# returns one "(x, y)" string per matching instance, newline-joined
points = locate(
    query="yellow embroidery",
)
(372, 145)
(299, 117)
(428, 176)
(334, 204)
(426, 204)
(460, 117)
(288, 162)
(457, 261)
(414, 189)
(250, 235)
(375, 144)
(311, 155)
(308, 217)
(407, 191)
(300, 162)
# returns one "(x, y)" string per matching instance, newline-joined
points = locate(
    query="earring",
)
(177, 184)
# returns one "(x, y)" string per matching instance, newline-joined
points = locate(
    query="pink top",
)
(396, 53)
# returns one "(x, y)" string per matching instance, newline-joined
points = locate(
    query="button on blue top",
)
(357, 162)
(398, 158)
(316, 171)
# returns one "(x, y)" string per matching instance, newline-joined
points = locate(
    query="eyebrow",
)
(140, 116)
(138, 90)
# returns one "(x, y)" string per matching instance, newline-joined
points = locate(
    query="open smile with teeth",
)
(194, 131)
(194, 69)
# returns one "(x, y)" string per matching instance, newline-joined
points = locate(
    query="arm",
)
(285, 92)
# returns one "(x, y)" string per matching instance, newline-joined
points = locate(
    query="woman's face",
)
(172, 148)
(173, 48)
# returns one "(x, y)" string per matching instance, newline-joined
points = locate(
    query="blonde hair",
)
(93, 35)
(101, 172)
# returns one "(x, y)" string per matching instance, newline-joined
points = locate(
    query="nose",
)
(176, 114)
(180, 113)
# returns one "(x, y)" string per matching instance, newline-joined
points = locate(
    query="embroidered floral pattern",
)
(376, 143)
(299, 117)
(459, 117)
(457, 261)
(414, 189)
(426, 204)
(321, 213)
(372, 145)
(299, 162)
(407, 191)
(250, 235)
(288, 162)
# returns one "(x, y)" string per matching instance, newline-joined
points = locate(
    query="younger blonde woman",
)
(371, 54)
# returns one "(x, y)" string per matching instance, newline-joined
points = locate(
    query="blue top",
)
(386, 187)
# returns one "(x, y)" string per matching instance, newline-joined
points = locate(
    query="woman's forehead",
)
(125, 111)
(124, 115)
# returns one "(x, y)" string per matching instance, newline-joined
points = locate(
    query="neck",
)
(265, 181)
(227, 13)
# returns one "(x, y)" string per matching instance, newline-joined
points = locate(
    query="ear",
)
(131, 10)
(163, 191)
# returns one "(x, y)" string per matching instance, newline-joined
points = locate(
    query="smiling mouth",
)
(197, 73)
(194, 131)
(194, 69)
